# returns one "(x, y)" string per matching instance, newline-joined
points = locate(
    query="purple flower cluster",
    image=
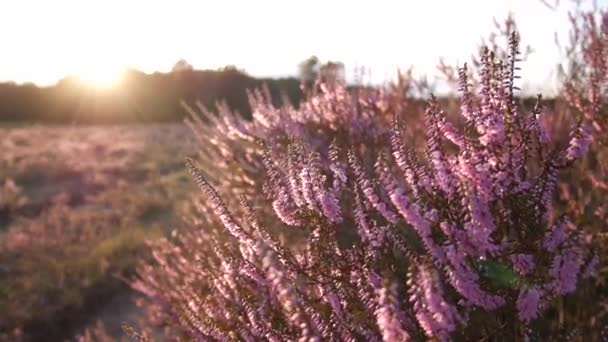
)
(523, 263)
(436, 316)
(393, 242)
(528, 303)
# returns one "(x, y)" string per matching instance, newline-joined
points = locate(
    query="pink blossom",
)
(387, 313)
(437, 317)
(556, 236)
(591, 267)
(523, 263)
(284, 209)
(564, 270)
(528, 303)
(579, 143)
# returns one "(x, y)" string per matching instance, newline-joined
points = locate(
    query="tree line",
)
(140, 97)
(156, 97)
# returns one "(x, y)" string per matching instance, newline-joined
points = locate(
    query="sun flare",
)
(102, 78)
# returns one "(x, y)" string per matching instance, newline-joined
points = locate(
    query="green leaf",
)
(500, 275)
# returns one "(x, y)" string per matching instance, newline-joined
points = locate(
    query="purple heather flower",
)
(220, 209)
(450, 132)
(387, 311)
(548, 189)
(443, 176)
(307, 187)
(523, 263)
(361, 284)
(476, 173)
(432, 215)
(466, 108)
(334, 301)
(293, 165)
(436, 316)
(543, 135)
(364, 228)
(465, 281)
(319, 326)
(448, 229)
(579, 143)
(284, 209)
(556, 236)
(339, 179)
(416, 180)
(564, 270)
(286, 294)
(412, 215)
(329, 206)
(367, 189)
(528, 303)
(481, 226)
(591, 267)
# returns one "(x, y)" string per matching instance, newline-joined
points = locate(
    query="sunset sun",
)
(101, 77)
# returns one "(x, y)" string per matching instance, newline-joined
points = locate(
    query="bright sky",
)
(42, 41)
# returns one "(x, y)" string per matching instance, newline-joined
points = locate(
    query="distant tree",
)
(232, 69)
(309, 69)
(182, 65)
(312, 68)
(332, 72)
(150, 97)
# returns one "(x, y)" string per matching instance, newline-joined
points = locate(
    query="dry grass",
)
(76, 206)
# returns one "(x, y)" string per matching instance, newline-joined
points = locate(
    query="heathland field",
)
(77, 205)
(452, 204)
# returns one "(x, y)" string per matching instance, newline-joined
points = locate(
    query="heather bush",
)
(585, 71)
(584, 90)
(357, 234)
